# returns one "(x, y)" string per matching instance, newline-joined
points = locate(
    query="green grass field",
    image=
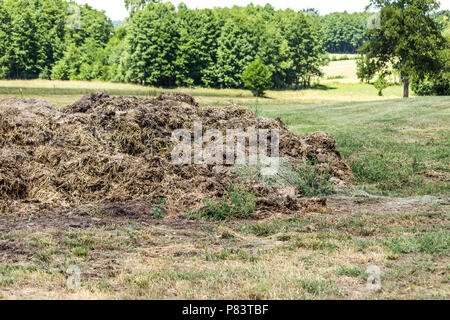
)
(61, 93)
(339, 84)
(391, 145)
(394, 215)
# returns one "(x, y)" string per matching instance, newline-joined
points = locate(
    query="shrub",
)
(314, 182)
(381, 84)
(158, 211)
(427, 87)
(366, 69)
(60, 71)
(237, 203)
(257, 77)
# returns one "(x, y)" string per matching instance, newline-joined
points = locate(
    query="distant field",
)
(338, 70)
(344, 71)
(61, 93)
(341, 71)
(339, 56)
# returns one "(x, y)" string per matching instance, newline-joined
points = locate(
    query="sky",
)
(115, 9)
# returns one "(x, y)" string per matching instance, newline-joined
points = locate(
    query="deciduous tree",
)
(407, 39)
(257, 77)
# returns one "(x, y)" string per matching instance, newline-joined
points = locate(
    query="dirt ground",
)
(140, 211)
(317, 255)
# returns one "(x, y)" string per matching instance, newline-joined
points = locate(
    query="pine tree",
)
(197, 46)
(274, 51)
(305, 46)
(5, 44)
(25, 48)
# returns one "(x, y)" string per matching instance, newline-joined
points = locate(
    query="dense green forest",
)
(163, 45)
(343, 32)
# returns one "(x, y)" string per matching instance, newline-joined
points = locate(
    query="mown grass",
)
(313, 257)
(387, 143)
(61, 93)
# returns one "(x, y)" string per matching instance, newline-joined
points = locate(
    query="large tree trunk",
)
(405, 86)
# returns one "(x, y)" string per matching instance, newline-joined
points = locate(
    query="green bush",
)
(257, 77)
(158, 211)
(313, 182)
(237, 203)
(381, 84)
(365, 69)
(60, 71)
(427, 87)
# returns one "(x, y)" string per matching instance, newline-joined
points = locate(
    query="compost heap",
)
(118, 150)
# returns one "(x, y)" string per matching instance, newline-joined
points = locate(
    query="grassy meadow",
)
(393, 146)
(339, 84)
(62, 93)
(394, 214)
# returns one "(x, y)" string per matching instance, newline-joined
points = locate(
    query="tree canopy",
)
(163, 45)
(343, 32)
(406, 39)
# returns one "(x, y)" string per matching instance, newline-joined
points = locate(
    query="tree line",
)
(37, 35)
(163, 45)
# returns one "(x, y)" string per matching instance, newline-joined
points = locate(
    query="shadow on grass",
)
(323, 87)
(317, 86)
(141, 92)
(263, 97)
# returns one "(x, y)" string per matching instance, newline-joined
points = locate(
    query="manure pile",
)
(118, 150)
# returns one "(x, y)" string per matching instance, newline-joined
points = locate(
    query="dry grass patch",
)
(315, 257)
